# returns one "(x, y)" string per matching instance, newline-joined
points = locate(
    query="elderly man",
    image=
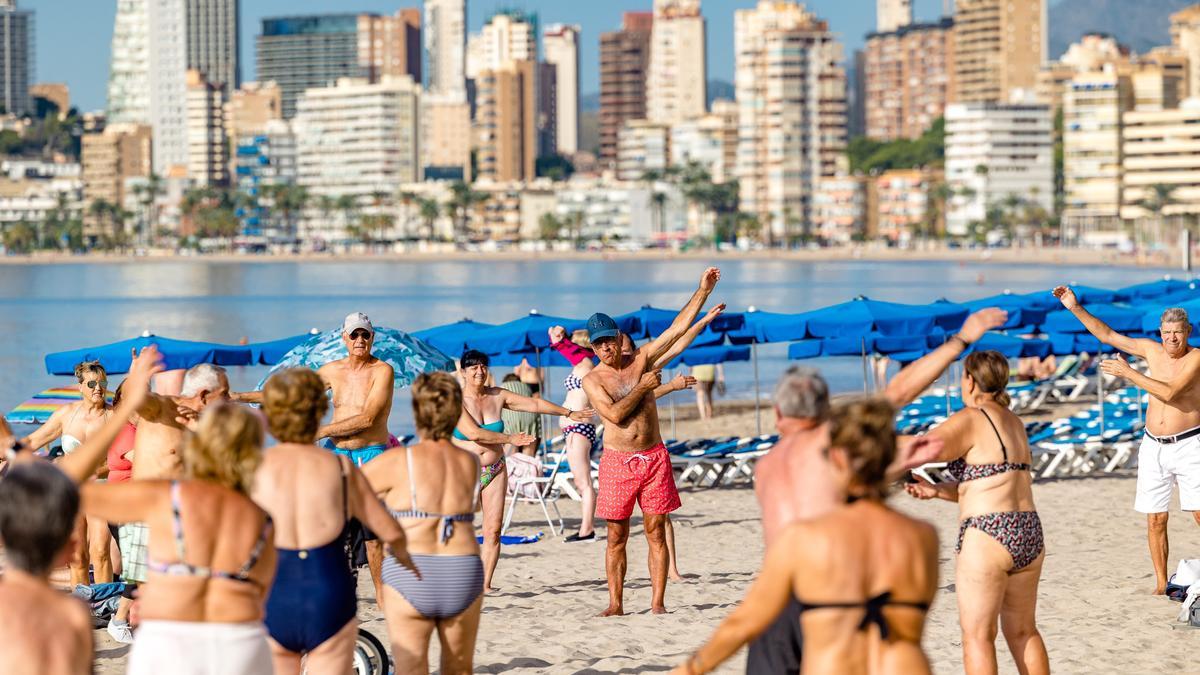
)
(362, 387)
(1170, 450)
(635, 466)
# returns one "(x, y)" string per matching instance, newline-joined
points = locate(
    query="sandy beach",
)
(1094, 609)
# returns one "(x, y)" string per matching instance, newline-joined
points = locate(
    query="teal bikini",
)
(489, 472)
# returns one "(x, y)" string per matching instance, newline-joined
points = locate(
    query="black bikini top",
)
(874, 610)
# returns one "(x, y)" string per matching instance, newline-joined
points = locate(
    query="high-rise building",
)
(446, 137)
(710, 141)
(1090, 54)
(356, 138)
(999, 47)
(561, 44)
(506, 116)
(791, 95)
(642, 147)
(891, 15)
(677, 83)
(213, 44)
(547, 109)
(1159, 150)
(251, 107)
(1185, 34)
(994, 151)
(909, 75)
(263, 160)
(110, 158)
(624, 60)
(507, 36)
(446, 48)
(16, 58)
(840, 208)
(1094, 108)
(129, 71)
(902, 203)
(306, 52)
(856, 94)
(207, 142)
(168, 87)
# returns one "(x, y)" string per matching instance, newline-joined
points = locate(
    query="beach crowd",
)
(238, 556)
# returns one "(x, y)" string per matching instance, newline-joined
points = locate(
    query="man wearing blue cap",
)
(635, 466)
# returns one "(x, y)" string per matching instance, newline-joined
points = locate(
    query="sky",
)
(74, 36)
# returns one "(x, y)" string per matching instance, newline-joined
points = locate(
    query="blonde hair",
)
(86, 367)
(294, 401)
(865, 429)
(580, 337)
(437, 405)
(226, 447)
(990, 371)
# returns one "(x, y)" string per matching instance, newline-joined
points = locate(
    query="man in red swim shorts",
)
(635, 466)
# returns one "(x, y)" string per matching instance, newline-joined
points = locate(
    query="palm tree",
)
(463, 199)
(549, 226)
(430, 210)
(1155, 201)
(659, 214)
(406, 199)
(348, 205)
(148, 194)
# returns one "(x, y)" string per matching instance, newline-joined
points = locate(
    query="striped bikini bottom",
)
(447, 587)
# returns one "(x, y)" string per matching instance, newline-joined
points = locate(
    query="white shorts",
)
(195, 648)
(1161, 466)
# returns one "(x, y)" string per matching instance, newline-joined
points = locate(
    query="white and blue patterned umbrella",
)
(407, 355)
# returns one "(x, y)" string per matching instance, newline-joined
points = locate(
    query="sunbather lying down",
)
(1034, 368)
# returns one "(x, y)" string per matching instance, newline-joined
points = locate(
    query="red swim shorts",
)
(644, 477)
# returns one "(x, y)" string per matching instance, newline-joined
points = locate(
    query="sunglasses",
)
(91, 384)
(360, 334)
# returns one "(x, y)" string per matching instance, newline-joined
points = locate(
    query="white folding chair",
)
(546, 491)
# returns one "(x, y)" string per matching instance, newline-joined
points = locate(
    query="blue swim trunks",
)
(359, 456)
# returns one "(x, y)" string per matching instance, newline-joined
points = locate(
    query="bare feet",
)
(613, 610)
(674, 575)
(1160, 589)
(488, 590)
(658, 610)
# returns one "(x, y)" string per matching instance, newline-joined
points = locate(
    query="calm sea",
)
(65, 306)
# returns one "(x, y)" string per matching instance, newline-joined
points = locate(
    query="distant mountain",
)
(1141, 24)
(716, 89)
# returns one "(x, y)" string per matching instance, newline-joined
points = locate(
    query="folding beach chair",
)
(545, 490)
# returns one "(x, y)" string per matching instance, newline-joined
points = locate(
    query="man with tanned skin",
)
(1170, 450)
(635, 465)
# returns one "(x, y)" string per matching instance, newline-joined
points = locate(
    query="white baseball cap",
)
(355, 321)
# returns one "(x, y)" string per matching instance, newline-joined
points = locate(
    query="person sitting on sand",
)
(863, 574)
(433, 489)
(311, 494)
(72, 424)
(1000, 545)
(1170, 450)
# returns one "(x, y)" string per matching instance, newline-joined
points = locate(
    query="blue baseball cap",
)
(601, 326)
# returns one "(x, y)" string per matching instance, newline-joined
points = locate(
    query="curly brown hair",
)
(294, 401)
(226, 447)
(990, 371)
(865, 429)
(82, 369)
(437, 405)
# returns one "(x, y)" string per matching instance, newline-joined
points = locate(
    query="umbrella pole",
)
(1100, 391)
(757, 399)
(545, 387)
(949, 380)
(864, 364)
(674, 435)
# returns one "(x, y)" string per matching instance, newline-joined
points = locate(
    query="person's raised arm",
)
(764, 600)
(1169, 391)
(616, 412)
(52, 429)
(677, 383)
(1098, 328)
(908, 384)
(81, 464)
(526, 404)
(477, 434)
(367, 507)
(659, 345)
(689, 336)
(377, 401)
(570, 351)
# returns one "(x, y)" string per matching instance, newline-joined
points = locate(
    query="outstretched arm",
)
(476, 434)
(616, 412)
(678, 383)
(1169, 391)
(541, 406)
(246, 397)
(908, 384)
(689, 336)
(570, 351)
(377, 402)
(659, 345)
(1098, 328)
(49, 431)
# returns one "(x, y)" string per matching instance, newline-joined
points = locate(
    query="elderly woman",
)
(1000, 546)
(864, 575)
(74, 423)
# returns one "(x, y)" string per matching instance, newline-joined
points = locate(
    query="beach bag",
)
(521, 465)
(1186, 574)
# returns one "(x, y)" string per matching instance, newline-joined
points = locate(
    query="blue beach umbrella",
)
(1086, 295)
(544, 357)
(1156, 289)
(407, 355)
(519, 335)
(1022, 310)
(177, 354)
(760, 327)
(1152, 314)
(649, 322)
(1011, 346)
(1120, 319)
(269, 353)
(451, 338)
(863, 315)
(705, 356)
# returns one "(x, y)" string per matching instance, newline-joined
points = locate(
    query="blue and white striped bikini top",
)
(448, 521)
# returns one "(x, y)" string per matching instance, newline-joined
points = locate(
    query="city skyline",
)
(89, 28)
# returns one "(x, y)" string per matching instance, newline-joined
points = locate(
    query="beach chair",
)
(545, 491)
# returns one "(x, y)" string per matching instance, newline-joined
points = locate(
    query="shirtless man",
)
(1170, 451)
(635, 465)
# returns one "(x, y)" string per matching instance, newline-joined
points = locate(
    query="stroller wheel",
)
(370, 656)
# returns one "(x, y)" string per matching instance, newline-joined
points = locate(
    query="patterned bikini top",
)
(448, 521)
(964, 472)
(573, 383)
(184, 569)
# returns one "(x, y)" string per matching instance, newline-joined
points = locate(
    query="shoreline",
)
(1029, 256)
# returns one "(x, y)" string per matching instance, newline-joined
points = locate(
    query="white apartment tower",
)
(891, 15)
(129, 73)
(207, 141)
(445, 35)
(168, 87)
(561, 44)
(506, 37)
(791, 96)
(677, 81)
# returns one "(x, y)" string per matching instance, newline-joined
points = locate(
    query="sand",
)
(1094, 609)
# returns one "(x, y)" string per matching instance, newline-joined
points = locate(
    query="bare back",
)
(352, 388)
(640, 430)
(1163, 418)
(45, 631)
(446, 479)
(850, 556)
(792, 482)
(303, 488)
